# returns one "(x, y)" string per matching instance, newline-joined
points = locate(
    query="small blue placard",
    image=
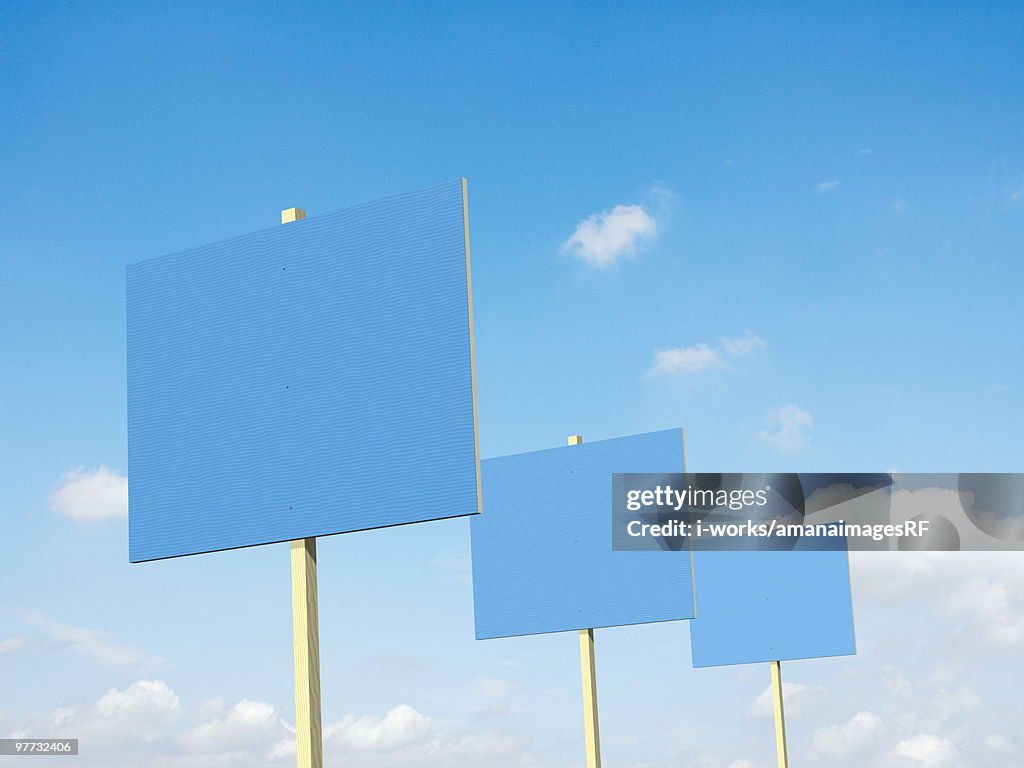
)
(755, 606)
(542, 549)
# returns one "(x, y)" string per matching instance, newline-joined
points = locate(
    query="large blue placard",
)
(755, 606)
(309, 379)
(542, 550)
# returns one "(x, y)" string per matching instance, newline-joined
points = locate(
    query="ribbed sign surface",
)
(309, 379)
(542, 549)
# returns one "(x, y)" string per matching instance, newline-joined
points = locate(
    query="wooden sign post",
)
(309, 748)
(591, 728)
(780, 715)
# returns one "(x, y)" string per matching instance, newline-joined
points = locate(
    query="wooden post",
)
(588, 668)
(309, 748)
(780, 715)
(591, 729)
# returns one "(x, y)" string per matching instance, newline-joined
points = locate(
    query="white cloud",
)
(994, 606)
(12, 644)
(91, 643)
(210, 709)
(248, 727)
(743, 345)
(402, 725)
(786, 429)
(900, 205)
(701, 357)
(839, 741)
(119, 721)
(603, 238)
(983, 589)
(137, 726)
(141, 726)
(795, 696)
(698, 357)
(145, 698)
(741, 764)
(998, 743)
(826, 186)
(945, 705)
(925, 751)
(91, 496)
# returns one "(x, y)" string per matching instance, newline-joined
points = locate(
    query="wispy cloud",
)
(12, 644)
(787, 428)
(91, 496)
(998, 743)
(796, 697)
(924, 749)
(857, 734)
(743, 345)
(900, 205)
(701, 356)
(91, 643)
(602, 239)
(995, 608)
(698, 357)
(492, 687)
(826, 186)
(121, 720)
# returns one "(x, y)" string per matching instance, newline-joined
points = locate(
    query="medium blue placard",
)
(309, 379)
(542, 550)
(771, 606)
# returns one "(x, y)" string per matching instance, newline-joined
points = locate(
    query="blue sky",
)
(834, 194)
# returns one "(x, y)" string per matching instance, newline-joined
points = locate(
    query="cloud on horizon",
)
(141, 725)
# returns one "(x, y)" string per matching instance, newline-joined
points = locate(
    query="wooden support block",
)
(289, 215)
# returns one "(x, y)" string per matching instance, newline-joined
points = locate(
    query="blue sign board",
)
(757, 606)
(542, 549)
(309, 379)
